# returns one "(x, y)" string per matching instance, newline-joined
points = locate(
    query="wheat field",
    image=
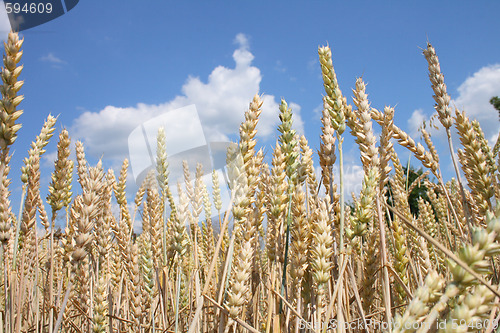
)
(289, 254)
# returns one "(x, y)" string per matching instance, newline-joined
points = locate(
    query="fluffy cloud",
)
(474, 95)
(50, 57)
(220, 103)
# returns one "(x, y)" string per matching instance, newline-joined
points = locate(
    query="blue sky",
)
(105, 67)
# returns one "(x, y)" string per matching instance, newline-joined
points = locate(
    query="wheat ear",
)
(37, 146)
(439, 87)
(321, 252)
(245, 231)
(365, 137)
(60, 187)
(426, 295)
(474, 163)
(100, 318)
(10, 87)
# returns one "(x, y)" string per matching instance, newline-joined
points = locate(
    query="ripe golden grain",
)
(284, 261)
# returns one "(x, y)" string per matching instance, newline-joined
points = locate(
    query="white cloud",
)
(220, 101)
(474, 95)
(242, 41)
(106, 132)
(51, 58)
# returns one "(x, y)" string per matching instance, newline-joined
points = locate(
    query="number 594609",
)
(32, 8)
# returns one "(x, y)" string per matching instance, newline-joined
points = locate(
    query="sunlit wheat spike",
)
(429, 143)
(248, 129)
(37, 146)
(386, 147)
(437, 80)
(100, 319)
(245, 232)
(334, 99)
(187, 180)
(288, 142)
(60, 187)
(327, 149)
(161, 160)
(154, 211)
(321, 246)
(300, 238)
(277, 201)
(474, 163)
(364, 207)
(418, 308)
(81, 162)
(28, 218)
(216, 191)
(105, 218)
(179, 239)
(9, 89)
(364, 133)
(197, 202)
(86, 210)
